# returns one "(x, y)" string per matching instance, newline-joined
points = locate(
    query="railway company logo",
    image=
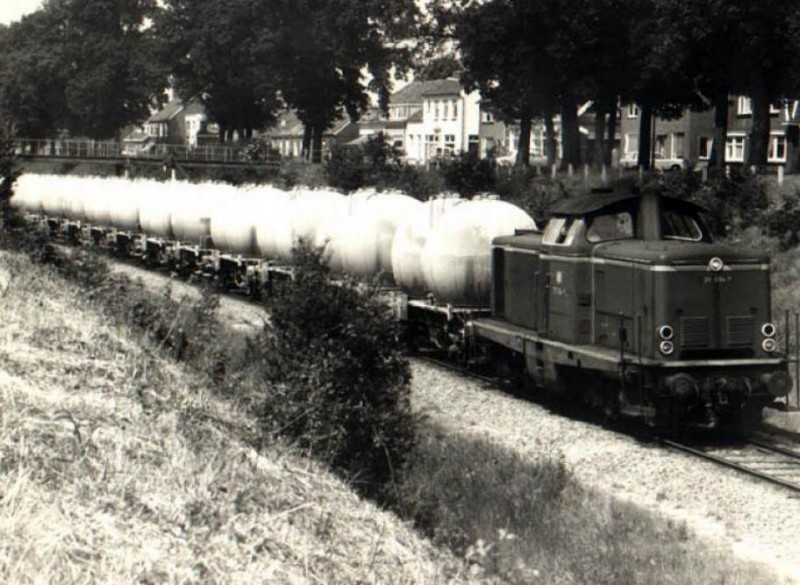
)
(716, 264)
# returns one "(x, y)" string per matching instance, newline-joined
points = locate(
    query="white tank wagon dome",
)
(303, 212)
(410, 238)
(456, 259)
(30, 191)
(155, 208)
(365, 238)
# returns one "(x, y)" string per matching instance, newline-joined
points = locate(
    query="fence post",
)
(604, 173)
(780, 175)
(553, 171)
(586, 172)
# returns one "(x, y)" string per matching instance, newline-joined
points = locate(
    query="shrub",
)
(783, 220)
(338, 382)
(468, 174)
(733, 203)
(375, 163)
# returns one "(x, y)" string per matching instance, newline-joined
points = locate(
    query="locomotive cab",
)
(627, 297)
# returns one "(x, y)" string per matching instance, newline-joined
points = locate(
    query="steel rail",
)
(737, 466)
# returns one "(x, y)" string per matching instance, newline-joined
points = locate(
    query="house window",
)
(487, 117)
(436, 110)
(445, 109)
(449, 143)
(660, 150)
(775, 110)
(678, 145)
(734, 149)
(704, 147)
(537, 142)
(744, 106)
(455, 110)
(777, 148)
(431, 143)
(633, 111)
(631, 143)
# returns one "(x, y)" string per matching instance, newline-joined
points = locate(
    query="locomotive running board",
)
(525, 341)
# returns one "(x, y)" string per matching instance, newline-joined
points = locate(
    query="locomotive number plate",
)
(718, 278)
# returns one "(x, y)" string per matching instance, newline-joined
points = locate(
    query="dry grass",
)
(528, 520)
(117, 466)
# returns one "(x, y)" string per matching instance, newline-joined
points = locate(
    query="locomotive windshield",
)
(610, 226)
(680, 226)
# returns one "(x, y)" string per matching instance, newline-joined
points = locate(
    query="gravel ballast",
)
(756, 521)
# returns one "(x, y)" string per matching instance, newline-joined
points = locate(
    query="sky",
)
(12, 10)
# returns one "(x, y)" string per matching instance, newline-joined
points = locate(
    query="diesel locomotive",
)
(624, 301)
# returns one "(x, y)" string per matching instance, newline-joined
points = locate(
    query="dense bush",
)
(467, 174)
(376, 163)
(338, 384)
(733, 201)
(783, 220)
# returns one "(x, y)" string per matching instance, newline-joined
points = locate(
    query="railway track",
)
(761, 458)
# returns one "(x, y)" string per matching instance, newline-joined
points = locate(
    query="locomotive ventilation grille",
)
(740, 331)
(695, 332)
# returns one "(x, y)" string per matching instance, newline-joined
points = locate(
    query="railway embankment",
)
(141, 469)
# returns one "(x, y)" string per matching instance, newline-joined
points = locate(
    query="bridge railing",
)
(102, 149)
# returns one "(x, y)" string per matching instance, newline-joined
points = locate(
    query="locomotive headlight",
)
(665, 332)
(666, 347)
(768, 330)
(778, 383)
(769, 345)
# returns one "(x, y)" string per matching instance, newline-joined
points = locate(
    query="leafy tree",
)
(502, 46)
(32, 78)
(223, 54)
(82, 65)
(438, 68)
(323, 48)
(735, 47)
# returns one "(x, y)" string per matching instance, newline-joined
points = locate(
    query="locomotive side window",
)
(680, 226)
(561, 231)
(610, 226)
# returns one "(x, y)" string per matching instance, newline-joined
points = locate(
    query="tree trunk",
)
(552, 141)
(645, 136)
(759, 135)
(569, 134)
(316, 146)
(306, 149)
(599, 149)
(524, 143)
(717, 157)
(611, 132)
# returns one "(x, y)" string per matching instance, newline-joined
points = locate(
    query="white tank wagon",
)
(365, 240)
(123, 205)
(29, 193)
(298, 217)
(456, 258)
(332, 230)
(410, 238)
(155, 208)
(192, 207)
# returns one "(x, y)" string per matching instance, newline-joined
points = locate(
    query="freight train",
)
(622, 300)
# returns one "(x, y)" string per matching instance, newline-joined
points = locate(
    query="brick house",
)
(691, 135)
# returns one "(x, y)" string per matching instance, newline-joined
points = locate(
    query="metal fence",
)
(102, 149)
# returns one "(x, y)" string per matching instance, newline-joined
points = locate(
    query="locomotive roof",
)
(593, 202)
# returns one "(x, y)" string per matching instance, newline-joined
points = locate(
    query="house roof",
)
(165, 114)
(414, 92)
(193, 108)
(289, 125)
